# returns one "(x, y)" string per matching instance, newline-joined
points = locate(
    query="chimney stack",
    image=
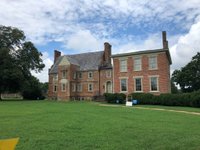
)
(107, 53)
(56, 55)
(164, 39)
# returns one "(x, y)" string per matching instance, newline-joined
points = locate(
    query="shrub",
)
(115, 98)
(185, 99)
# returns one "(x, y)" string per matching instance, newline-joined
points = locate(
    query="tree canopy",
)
(18, 58)
(188, 77)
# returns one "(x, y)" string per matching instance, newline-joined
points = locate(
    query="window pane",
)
(137, 64)
(138, 84)
(123, 85)
(123, 65)
(153, 62)
(154, 86)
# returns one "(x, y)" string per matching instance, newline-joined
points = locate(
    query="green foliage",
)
(115, 98)
(188, 77)
(185, 99)
(17, 58)
(32, 89)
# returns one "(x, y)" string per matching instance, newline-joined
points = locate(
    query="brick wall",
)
(163, 73)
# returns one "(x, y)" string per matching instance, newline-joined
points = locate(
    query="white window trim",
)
(55, 77)
(91, 86)
(81, 87)
(54, 88)
(156, 56)
(62, 87)
(137, 57)
(64, 76)
(79, 75)
(73, 87)
(74, 75)
(90, 72)
(125, 70)
(126, 84)
(137, 77)
(157, 76)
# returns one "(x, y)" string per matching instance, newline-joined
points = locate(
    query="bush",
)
(185, 99)
(115, 98)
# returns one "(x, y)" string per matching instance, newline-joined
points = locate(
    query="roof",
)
(86, 61)
(145, 52)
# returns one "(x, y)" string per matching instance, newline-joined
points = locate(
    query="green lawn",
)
(46, 125)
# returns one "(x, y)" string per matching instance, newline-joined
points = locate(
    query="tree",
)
(17, 58)
(188, 77)
(32, 89)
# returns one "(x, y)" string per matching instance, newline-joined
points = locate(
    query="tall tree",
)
(188, 77)
(17, 58)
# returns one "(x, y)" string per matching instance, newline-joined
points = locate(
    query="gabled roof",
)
(86, 61)
(145, 52)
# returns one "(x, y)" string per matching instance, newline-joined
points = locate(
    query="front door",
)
(108, 87)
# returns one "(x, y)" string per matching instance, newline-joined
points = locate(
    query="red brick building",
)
(143, 71)
(81, 76)
(88, 75)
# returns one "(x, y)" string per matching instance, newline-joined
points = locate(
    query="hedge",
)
(115, 98)
(184, 99)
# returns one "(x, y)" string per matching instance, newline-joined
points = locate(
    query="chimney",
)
(56, 55)
(107, 53)
(164, 39)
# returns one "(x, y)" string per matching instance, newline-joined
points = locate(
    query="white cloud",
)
(186, 47)
(83, 40)
(43, 75)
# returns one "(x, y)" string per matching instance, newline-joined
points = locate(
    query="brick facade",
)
(89, 75)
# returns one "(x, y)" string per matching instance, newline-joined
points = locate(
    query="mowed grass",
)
(47, 125)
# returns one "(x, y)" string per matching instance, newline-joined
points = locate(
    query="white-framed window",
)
(123, 85)
(108, 73)
(90, 75)
(74, 75)
(54, 88)
(55, 77)
(90, 87)
(63, 87)
(138, 84)
(154, 84)
(153, 62)
(73, 87)
(64, 74)
(80, 75)
(137, 64)
(79, 87)
(123, 65)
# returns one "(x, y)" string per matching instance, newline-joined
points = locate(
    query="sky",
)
(78, 26)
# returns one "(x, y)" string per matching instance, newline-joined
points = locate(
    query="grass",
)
(50, 125)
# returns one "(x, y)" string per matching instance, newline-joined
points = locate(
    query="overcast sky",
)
(76, 26)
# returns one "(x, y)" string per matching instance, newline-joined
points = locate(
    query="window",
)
(137, 64)
(138, 84)
(73, 87)
(123, 65)
(55, 77)
(64, 74)
(74, 75)
(63, 87)
(108, 73)
(90, 87)
(90, 75)
(80, 75)
(79, 87)
(123, 85)
(154, 83)
(153, 62)
(55, 88)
